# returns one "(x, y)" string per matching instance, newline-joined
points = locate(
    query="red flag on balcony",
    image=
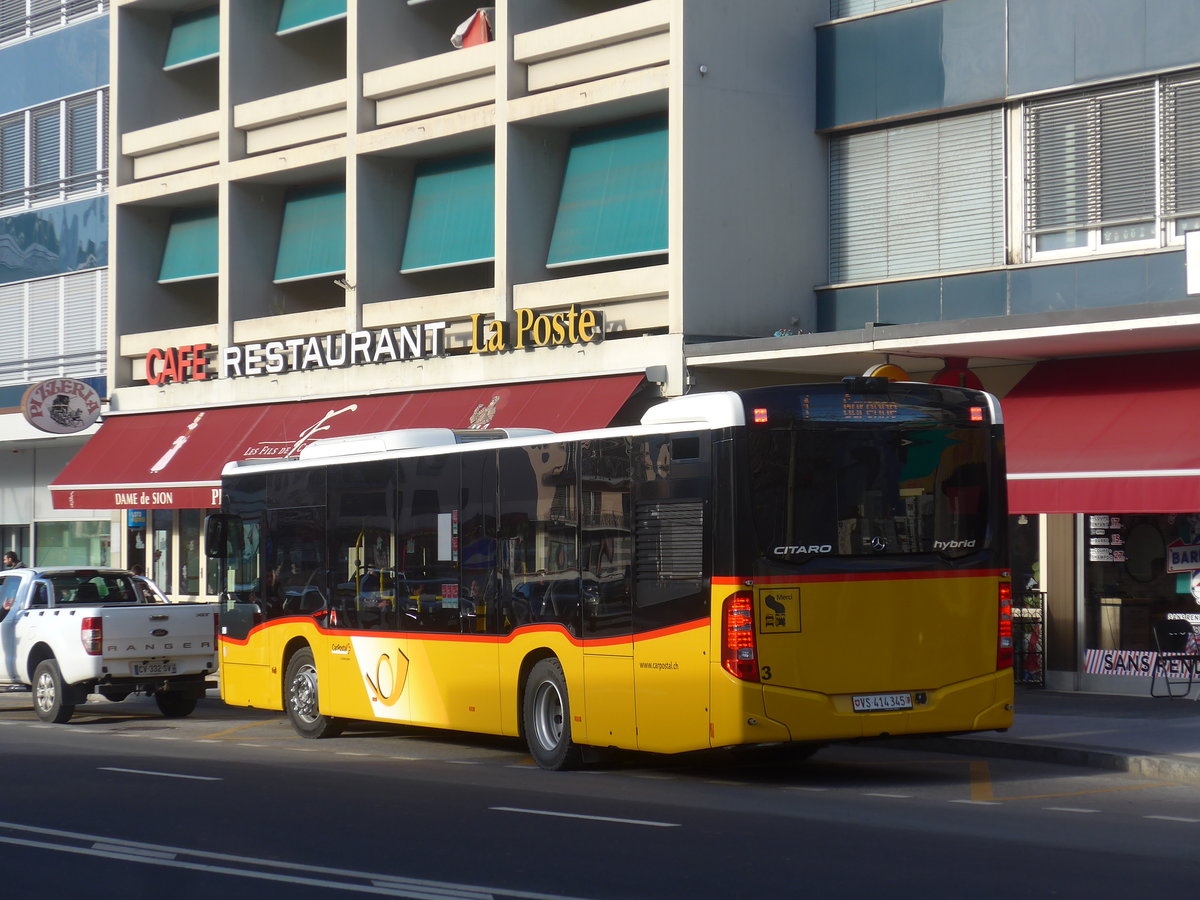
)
(476, 30)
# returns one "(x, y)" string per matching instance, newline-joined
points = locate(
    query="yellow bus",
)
(786, 565)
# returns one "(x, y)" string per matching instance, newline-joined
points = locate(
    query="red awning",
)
(173, 460)
(1105, 435)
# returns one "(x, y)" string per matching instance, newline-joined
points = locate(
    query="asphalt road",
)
(229, 803)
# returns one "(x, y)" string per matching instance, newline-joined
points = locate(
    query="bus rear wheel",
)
(547, 717)
(301, 699)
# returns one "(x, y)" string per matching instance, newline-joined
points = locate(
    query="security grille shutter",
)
(1090, 161)
(12, 20)
(45, 14)
(12, 324)
(919, 198)
(670, 540)
(1181, 149)
(82, 142)
(47, 155)
(840, 8)
(12, 160)
(83, 323)
(80, 9)
(45, 328)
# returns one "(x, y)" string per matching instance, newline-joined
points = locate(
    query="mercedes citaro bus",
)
(787, 565)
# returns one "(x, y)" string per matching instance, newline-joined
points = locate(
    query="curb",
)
(1168, 768)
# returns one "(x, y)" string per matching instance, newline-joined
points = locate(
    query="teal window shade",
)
(195, 36)
(297, 14)
(191, 250)
(614, 195)
(312, 241)
(453, 216)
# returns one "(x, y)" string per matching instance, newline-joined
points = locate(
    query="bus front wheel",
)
(301, 700)
(547, 715)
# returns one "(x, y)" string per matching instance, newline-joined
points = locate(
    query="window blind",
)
(1181, 148)
(918, 198)
(1090, 161)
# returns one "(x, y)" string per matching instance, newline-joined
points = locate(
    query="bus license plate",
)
(162, 668)
(881, 702)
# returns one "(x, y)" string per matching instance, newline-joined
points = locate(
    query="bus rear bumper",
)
(979, 704)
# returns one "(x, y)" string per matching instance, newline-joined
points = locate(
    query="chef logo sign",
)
(529, 330)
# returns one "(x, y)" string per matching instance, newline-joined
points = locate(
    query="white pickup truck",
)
(66, 633)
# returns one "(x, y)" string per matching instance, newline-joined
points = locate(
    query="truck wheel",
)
(51, 700)
(300, 699)
(175, 704)
(547, 717)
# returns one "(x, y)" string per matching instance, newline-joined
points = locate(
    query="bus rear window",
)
(838, 490)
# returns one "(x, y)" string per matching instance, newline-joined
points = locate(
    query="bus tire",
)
(547, 717)
(53, 701)
(300, 699)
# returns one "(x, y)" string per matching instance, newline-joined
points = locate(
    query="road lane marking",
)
(979, 802)
(1174, 819)
(888, 796)
(1107, 790)
(1070, 809)
(567, 815)
(280, 871)
(159, 774)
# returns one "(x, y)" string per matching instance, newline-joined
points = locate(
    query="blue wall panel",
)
(59, 64)
(54, 241)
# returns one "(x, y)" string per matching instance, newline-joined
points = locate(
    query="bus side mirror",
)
(222, 536)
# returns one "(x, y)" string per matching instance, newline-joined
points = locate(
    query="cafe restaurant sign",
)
(528, 331)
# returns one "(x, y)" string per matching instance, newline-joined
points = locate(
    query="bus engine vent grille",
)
(670, 540)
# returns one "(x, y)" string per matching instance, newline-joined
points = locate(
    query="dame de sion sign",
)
(530, 330)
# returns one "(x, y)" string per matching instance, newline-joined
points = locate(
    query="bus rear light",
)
(1004, 646)
(760, 415)
(91, 633)
(976, 413)
(739, 650)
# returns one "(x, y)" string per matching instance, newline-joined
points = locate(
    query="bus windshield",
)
(832, 489)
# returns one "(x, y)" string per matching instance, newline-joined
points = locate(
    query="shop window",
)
(85, 543)
(160, 568)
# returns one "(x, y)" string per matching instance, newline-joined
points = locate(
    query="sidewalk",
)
(1155, 738)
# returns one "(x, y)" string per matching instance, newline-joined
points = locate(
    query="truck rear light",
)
(739, 649)
(91, 633)
(1004, 644)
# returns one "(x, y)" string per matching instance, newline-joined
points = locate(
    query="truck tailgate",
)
(159, 630)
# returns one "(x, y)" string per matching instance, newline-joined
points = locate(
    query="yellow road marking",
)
(218, 734)
(981, 781)
(1111, 790)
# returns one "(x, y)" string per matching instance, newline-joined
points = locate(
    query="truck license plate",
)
(156, 668)
(881, 702)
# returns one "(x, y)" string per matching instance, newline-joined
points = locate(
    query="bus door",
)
(671, 603)
(606, 563)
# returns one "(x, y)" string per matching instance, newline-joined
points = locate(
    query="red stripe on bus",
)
(730, 581)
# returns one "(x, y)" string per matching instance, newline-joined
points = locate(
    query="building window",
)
(86, 543)
(54, 153)
(20, 19)
(1092, 179)
(917, 198)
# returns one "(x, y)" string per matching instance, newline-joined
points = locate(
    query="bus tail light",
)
(739, 651)
(1004, 646)
(91, 633)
